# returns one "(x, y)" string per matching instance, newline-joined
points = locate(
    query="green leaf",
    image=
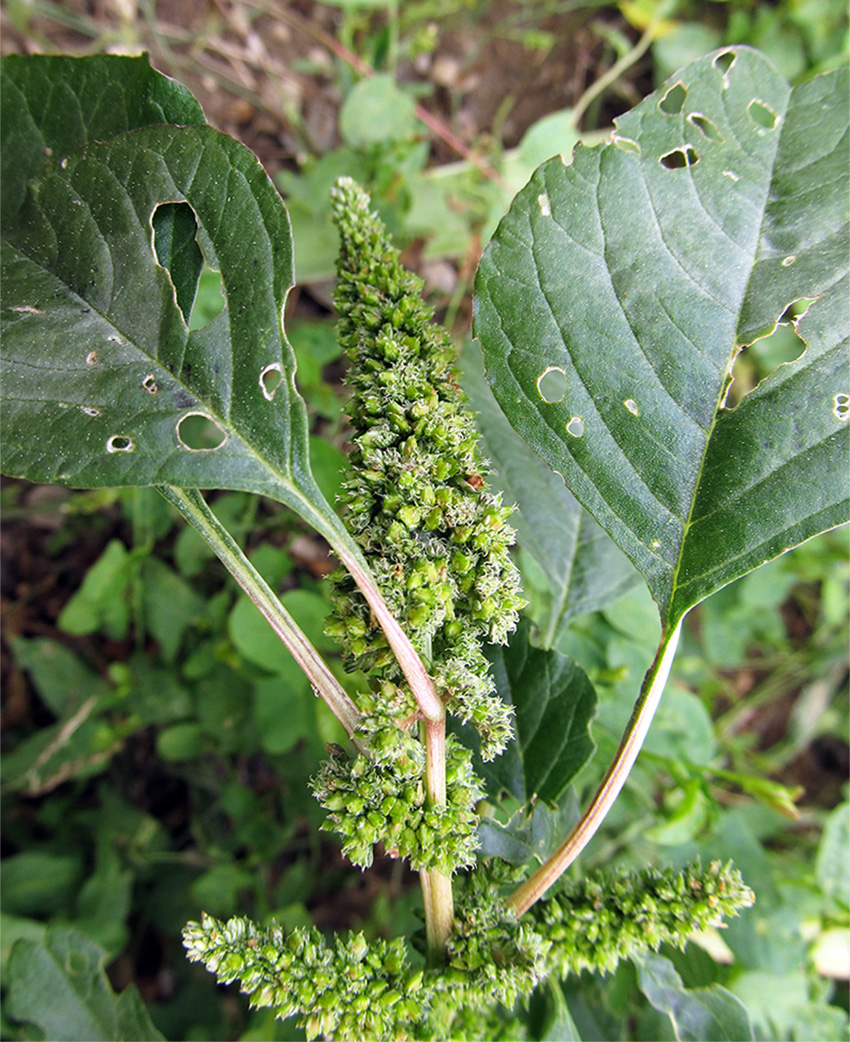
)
(62, 680)
(177, 250)
(38, 882)
(703, 1014)
(559, 1026)
(254, 639)
(633, 277)
(376, 112)
(102, 599)
(53, 105)
(584, 569)
(117, 372)
(60, 986)
(534, 831)
(554, 703)
(833, 869)
(170, 605)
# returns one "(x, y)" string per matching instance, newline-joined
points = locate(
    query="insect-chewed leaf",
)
(615, 295)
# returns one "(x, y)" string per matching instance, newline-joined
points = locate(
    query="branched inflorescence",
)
(593, 924)
(438, 544)
(416, 499)
(380, 797)
(346, 988)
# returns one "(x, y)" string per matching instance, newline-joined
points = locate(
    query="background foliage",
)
(158, 740)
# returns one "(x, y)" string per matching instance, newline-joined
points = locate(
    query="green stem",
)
(436, 887)
(411, 665)
(616, 70)
(193, 507)
(653, 686)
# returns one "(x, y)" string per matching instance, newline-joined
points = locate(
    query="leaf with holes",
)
(616, 293)
(581, 566)
(53, 105)
(104, 383)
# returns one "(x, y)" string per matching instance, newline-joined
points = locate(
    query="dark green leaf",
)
(701, 1015)
(54, 105)
(60, 678)
(534, 831)
(105, 385)
(634, 276)
(554, 703)
(583, 567)
(177, 250)
(60, 986)
(38, 882)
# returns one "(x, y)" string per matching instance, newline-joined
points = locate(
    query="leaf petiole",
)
(194, 509)
(638, 727)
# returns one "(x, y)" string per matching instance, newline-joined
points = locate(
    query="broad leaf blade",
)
(583, 567)
(710, 1014)
(631, 272)
(60, 985)
(554, 703)
(53, 105)
(100, 370)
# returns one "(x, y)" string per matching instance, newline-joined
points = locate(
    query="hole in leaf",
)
(762, 115)
(679, 158)
(552, 384)
(120, 443)
(724, 61)
(632, 406)
(705, 126)
(759, 359)
(841, 406)
(270, 379)
(91, 358)
(674, 99)
(575, 427)
(200, 433)
(150, 385)
(789, 260)
(90, 410)
(210, 300)
(176, 248)
(625, 144)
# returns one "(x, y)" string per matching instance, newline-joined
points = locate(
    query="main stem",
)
(653, 686)
(436, 887)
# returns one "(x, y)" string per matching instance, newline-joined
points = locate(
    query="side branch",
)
(194, 509)
(653, 686)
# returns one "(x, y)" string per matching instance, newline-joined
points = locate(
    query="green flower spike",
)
(416, 499)
(379, 797)
(594, 923)
(343, 988)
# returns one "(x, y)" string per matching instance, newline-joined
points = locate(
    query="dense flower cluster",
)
(348, 988)
(345, 988)
(416, 500)
(381, 799)
(594, 923)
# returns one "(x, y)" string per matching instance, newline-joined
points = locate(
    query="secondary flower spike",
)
(417, 500)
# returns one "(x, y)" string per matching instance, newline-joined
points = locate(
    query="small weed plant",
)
(611, 305)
